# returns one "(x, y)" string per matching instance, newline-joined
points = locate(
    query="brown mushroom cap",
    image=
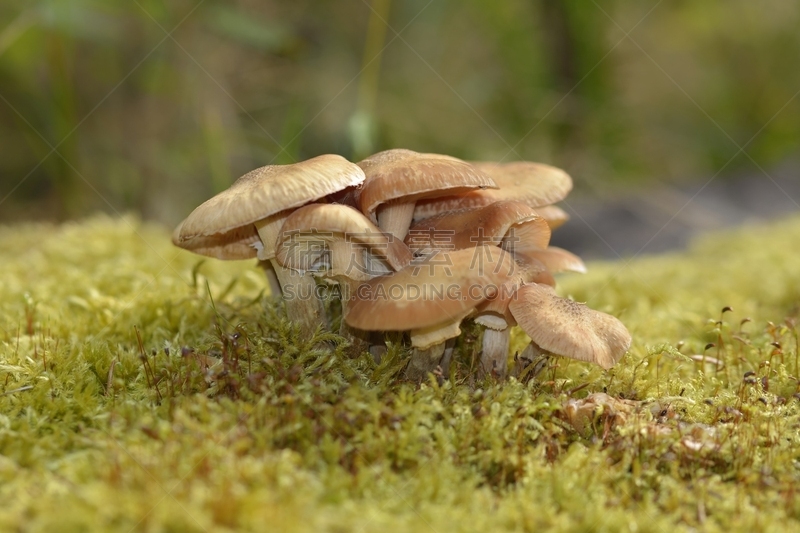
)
(564, 327)
(395, 175)
(491, 224)
(309, 230)
(223, 225)
(432, 292)
(534, 184)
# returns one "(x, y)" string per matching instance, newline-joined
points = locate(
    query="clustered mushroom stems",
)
(305, 308)
(522, 189)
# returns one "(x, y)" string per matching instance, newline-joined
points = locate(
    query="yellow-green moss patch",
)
(220, 420)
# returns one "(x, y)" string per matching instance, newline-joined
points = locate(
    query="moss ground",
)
(144, 390)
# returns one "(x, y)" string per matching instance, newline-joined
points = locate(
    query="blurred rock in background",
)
(658, 218)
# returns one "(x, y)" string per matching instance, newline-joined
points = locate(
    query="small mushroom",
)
(497, 319)
(430, 298)
(518, 229)
(343, 245)
(397, 179)
(565, 327)
(244, 221)
(535, 184)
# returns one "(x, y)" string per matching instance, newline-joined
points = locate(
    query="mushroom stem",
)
(303, 306)
(345, 267)
(272, 278)
(395, 218)
(345, 260)
(378, 352)
(530, 362)
(494, 357)
(449, 347)
(358, 339)
(424, 361)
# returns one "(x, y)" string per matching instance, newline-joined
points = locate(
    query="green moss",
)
(100, 432)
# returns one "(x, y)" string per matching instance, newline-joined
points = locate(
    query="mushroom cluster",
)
(412, 242)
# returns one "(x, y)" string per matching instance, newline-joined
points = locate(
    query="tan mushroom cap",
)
(534, 184)
(311, 229)
(387, 156)
(395, 175)
(564, 327)
(491, 224)
(554, 215)
(432, 292)
(225, 221)
(556, 259)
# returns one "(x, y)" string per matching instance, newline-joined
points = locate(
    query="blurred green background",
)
(153, 106)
